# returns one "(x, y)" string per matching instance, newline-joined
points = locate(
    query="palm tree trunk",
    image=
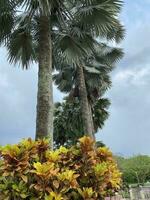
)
(44, 119)
(92, 122)
(86, 114)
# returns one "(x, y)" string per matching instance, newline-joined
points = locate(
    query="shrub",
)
(29, 170)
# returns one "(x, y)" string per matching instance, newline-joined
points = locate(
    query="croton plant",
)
(30, 170)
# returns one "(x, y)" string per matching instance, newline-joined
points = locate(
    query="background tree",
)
(68, 124)
(135, 169)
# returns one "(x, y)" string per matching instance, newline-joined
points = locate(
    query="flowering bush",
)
(29, 170)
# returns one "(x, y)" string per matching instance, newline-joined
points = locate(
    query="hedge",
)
(30, 170)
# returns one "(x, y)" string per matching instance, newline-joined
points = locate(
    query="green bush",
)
(29, 170)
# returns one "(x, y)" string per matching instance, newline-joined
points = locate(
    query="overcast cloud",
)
(127, 131)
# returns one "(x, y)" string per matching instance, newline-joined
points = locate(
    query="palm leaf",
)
(7, 17)
(100, 18)
(21, 47)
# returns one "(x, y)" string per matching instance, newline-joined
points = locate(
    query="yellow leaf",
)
(24, 178)
(54, 196)
(5, 174)
(56, 184)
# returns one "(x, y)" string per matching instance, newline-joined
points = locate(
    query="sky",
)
(127, 131)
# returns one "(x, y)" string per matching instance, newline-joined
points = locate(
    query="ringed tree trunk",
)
(44, 116)
(85, 110)
(92, 121)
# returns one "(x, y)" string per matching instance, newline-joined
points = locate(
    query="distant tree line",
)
(135, 170)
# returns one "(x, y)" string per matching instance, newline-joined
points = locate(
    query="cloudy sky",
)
(127, 131)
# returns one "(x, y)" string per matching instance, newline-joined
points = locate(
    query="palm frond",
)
(7, 18)
(64, 79)
(100, 18)
(21, 48)
(100, 113)
(107, 56)
(69, 49)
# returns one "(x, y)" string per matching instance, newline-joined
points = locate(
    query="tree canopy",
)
(135, 169)
(68, 125)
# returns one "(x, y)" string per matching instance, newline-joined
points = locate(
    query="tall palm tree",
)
(96, 72)
(26, 28)
(92, 19)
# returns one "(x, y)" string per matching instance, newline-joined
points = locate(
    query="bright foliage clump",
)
(31, 171)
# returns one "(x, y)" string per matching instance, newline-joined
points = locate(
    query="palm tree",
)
(26, 28)
(92, 19)
(96, 71)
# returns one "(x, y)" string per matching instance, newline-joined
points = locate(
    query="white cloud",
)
(135, 76)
